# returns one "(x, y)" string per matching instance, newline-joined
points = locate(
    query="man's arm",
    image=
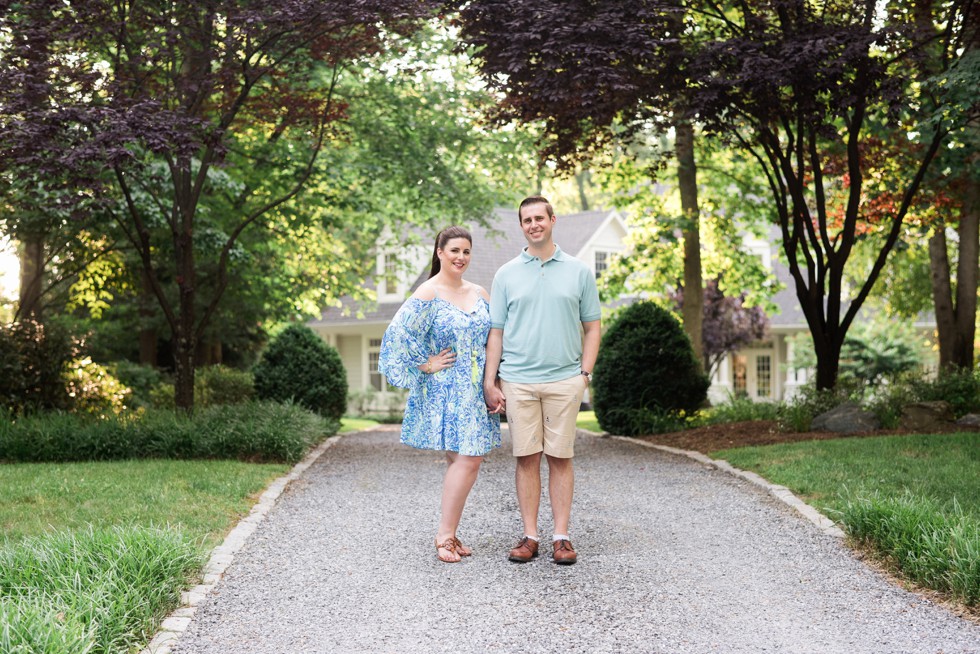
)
(590, 343)
(492, 395)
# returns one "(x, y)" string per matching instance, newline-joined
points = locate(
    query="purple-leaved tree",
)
(727, 325)
(797, 85)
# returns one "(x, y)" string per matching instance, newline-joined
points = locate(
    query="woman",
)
(436, 347)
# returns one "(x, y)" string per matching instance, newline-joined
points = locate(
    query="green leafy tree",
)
(162, 95)
(811, 122)
(732, 208)
(410, 152)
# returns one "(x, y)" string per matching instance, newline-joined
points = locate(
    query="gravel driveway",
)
(674, 556)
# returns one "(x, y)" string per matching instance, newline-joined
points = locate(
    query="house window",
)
(601, 262)
(763, 375)
(375, 378)
(740, 381)
(389, 273)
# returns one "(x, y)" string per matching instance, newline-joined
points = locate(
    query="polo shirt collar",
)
(557, 256)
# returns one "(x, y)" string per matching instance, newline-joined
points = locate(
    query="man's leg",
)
(561, 486)
(524, 422)
(528, 481)
(561, 402)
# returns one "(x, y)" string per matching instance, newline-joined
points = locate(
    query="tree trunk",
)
(148, 335)
(581, 179)
(942, 295)
(31, 279)
(966, 278)
(828, 360)
(185, 332)
(184, 347)
(687, 181)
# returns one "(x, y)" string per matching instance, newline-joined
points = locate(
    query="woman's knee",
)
(464, 461)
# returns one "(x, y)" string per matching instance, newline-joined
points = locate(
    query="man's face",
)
(537, 224)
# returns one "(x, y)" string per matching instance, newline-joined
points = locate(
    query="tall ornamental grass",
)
(91, 591)
(935, 548)
(253, 431)
(913, 498)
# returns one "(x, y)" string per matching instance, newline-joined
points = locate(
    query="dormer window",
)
(601, 262)
(389, 273)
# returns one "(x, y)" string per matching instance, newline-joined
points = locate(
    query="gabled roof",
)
(493, 246)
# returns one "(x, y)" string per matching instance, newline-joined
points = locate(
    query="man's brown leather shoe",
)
(564, 552)
(525, 550)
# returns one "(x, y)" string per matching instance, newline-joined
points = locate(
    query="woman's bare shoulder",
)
(482, 292)
(425, 292)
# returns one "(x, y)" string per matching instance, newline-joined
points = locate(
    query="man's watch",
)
(588, 375)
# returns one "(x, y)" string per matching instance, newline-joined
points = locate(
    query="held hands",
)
(445, 359)
(494, 397)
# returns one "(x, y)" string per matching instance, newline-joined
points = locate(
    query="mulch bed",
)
(757, 432)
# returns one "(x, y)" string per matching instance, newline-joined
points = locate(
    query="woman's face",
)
(455, 256)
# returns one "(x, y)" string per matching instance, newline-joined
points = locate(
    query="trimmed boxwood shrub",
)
(299, 366)
(646, 373)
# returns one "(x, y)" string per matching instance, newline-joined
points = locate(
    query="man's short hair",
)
(535, 199)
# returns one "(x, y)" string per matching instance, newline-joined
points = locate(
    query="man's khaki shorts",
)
(541, 417)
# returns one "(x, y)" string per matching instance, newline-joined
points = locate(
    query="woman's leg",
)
(460, 477)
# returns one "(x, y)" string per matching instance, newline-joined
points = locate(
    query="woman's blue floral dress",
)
(445, 410)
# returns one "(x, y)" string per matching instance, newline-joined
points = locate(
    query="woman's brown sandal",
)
(450, 546)
(461, 549)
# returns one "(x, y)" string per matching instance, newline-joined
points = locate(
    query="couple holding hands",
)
(526, 349)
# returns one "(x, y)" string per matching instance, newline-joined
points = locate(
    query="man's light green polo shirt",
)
(540, 305)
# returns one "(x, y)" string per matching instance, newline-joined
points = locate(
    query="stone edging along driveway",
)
(781, 493)
(222, 556)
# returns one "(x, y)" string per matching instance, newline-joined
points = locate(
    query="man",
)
(544, 361)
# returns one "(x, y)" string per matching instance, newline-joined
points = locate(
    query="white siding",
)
(351, 354)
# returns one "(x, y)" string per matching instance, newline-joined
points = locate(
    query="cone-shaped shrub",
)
(646, 372)
(298, 365)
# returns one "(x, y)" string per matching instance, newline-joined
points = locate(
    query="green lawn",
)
(94, 555)
(356, 424)
(203, 498)
(586, 420)
(115, 541)
(938, 467)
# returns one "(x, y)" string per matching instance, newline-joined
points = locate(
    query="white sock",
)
(534, 538)
(558, 537)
